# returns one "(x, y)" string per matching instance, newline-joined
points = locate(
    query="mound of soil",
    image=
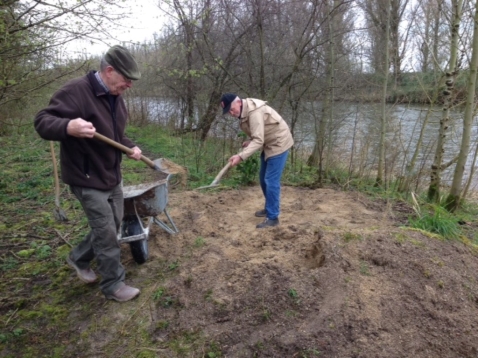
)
(339, 277)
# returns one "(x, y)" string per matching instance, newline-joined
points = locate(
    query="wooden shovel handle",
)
(55, 175)
(123, 148)
(221, 173)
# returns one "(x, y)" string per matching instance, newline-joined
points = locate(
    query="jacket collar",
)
(249, 105)
(244, 111)
(100, 81)
(97, 87)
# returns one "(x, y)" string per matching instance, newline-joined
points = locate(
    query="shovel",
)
(215, 182)
(59, 213)
(156, 165)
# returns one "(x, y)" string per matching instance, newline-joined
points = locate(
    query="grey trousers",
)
(104, 210)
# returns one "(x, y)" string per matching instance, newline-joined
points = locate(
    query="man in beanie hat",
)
(269, 133)
(83, 106)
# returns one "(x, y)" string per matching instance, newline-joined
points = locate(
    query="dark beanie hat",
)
(123, 61)
(226, 100)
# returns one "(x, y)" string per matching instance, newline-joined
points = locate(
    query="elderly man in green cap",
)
(83, 106)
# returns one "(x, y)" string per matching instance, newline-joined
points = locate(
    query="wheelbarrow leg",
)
(173, 230)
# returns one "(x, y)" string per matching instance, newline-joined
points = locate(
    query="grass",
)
(439, 221)
(199, 242)
(33, 245)
(311, 352)
(173, 265)
(432, 218)
(203, 161)
(292, 293)
(364, 268)
(350, 236)
(158, 293)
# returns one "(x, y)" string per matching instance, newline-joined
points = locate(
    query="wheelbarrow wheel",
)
(139, 248)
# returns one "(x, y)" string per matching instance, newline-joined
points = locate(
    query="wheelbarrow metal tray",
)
(142, 205)
(148, 199)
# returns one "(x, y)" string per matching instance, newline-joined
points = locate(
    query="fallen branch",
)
(63, 238)
(11, 316)
(15, 255)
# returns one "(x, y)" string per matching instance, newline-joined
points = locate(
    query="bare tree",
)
(438, 166)
(429, 29)
(426, 29)
(383, 116)
(376, 16)
(454, 197)
(335, 20)
(33, 36)
(256, 48)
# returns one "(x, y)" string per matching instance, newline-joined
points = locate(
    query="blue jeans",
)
(269, 177)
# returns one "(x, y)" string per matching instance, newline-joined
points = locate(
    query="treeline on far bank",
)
(410, 87)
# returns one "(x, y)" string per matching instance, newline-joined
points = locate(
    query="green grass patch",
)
(186, 342)
(157, 294)
(292, 293)
(311, 352)
(364, 268)
(350, 236)
(203, 160)
(439, 221)
(199, 242)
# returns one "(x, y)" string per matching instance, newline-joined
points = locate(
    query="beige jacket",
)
(266, 128)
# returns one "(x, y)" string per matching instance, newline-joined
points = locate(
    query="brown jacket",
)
(266, 128)
(86, 162)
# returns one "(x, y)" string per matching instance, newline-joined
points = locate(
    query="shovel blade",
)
(160, 165)
(60, 215)
(208, 186)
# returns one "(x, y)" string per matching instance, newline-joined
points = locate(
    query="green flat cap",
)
(123, 61)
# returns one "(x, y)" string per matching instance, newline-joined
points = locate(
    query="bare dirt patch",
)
(338, 278)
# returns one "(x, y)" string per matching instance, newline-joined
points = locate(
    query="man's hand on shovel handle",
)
(235, 160)
(136, 153)
(80, 128)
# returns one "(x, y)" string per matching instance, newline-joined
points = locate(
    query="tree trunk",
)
(317, 156)
(437, 167)
(383, 119)
(472, 171)
(331, 81)
(436, 35)
(454, 198)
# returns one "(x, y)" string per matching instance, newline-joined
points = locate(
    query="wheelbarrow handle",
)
(125, 149)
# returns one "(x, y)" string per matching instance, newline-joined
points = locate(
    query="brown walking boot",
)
(124, 293)
(85, 275)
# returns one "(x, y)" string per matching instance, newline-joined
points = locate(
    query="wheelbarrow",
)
(143, 205)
